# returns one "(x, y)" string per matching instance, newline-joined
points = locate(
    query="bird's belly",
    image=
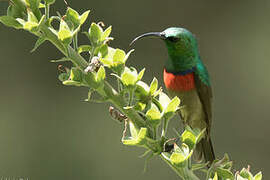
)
(183, 86)
(191, 108)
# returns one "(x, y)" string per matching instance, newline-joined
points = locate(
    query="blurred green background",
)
(48, 132)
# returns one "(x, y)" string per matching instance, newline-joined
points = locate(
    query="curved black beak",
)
(153, 34)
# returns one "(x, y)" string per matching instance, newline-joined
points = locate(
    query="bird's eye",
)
(173, 39)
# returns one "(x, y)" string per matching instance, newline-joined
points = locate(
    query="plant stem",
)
(47, 10)
(75, 42)
(131, 92)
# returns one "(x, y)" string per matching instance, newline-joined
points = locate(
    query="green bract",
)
(154, 116)
(192, 137)
(142, 91)
(32, 24)
(74, 19)
(64, 33)
(130, 76)
(11, 22)
(137, 140)
(17, 9)
(34, 6)
(245, 174)
(97, 36)
(115, 59)
(180, 156)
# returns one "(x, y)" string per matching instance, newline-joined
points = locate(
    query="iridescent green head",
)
(182, 48)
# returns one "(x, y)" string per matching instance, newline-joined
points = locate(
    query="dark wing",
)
(204, 90)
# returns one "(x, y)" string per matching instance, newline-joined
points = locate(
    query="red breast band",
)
(179, 82)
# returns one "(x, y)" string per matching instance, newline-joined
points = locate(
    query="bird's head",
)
(181, 44)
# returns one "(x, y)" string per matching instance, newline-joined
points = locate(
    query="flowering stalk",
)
(145, 109)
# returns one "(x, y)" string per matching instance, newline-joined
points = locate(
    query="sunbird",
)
(186, 77)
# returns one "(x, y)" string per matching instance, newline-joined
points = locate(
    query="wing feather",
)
(204, 90)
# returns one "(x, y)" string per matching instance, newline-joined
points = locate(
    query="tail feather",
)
(208, 150)
(204, 151)
(198, 153)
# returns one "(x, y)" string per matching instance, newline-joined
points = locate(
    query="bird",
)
(186, 77)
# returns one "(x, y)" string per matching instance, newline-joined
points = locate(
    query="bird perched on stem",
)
(186, 76)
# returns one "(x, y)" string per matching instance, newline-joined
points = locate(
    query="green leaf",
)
(63, 25)
(32, 18)
(106, 62)
(140, 75)
(258, 176)
(9, 11)
(95, 33)
(30, 26)
(41, 5)
(157, 92)
(142, 91)
(72, 83)
(246, 174)
(73, 16)
(106, 33)
(72, 13)
(228, 165)
(133, 130)
(103, 51)
(40, 41)
(185, 149)
(189, 138)
(21, 21)
(100, 74)
(164, 100)
(129, 77)
(173, 105)
(84, 48)
(17, 9)
(111, 52)
(154, 116)
(225, 173)
(177, 159)
(127, 55)
(64, 33)
(119, 56)
(215, 177)
(153, 86)
(89, 80)
(75, 75)
(34, 6)
(170, 109)
(65, 36)
(138, 140)
(84, 16)
(192, 136)
(240, 178)
(140, 106)
(63, 77)
(10, 22)
(61, 60)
